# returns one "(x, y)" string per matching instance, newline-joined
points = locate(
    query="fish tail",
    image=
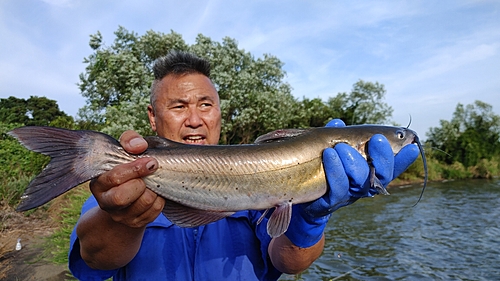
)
(71, 164)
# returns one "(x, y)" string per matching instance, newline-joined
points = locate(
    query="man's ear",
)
(152, 118)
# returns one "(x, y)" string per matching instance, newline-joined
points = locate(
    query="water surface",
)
(452, 234)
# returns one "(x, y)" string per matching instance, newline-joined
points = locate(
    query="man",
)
(123, 234)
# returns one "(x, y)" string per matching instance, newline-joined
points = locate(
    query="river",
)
(452, 234)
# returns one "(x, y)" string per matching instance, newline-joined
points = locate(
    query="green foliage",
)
(363, 105)
(17, 165)
(455, 171)
(113, 73)
(416, 171)
(311, 113)
(486, 168)
(136, 119)
(35, 111)
(473, 134)
(254, 97)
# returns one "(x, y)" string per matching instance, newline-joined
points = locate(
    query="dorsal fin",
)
(279, 135)
(159, 142)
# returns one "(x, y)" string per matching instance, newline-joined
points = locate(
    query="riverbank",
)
(32, 261)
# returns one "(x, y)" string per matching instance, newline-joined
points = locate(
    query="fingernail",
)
(151, 165)
(136, 142)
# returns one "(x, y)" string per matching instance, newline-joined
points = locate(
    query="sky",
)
(429, 55)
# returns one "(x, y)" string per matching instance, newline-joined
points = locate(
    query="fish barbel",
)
(202, 184)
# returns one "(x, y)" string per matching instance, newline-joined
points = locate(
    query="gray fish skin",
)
(204, 183)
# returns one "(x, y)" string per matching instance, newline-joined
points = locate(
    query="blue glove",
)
(348, 178)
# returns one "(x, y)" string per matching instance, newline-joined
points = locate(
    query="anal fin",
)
(280, 220)
(185, 216)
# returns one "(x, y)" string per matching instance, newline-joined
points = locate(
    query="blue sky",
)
(430, 55)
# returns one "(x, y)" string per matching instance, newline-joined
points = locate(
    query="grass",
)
(66, 211)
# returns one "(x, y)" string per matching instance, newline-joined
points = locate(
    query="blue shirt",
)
(234, 248)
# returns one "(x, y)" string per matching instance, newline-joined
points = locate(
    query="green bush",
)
(485, 169)
(456, 171)
(17, 165)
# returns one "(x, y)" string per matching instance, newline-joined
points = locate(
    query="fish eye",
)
(400, 134)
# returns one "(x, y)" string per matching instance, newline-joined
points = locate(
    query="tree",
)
(363, 105)
(13, 110)
(472, 134)
(113, 73)
(36, 111)
(129, 115)
(254, 98)
(311, 113)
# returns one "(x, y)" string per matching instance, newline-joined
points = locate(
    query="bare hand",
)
(122, 193)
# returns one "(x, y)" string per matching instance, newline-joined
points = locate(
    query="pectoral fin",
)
(375, 183)
(185, 216)
(280, 220)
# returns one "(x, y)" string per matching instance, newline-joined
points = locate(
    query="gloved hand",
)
(347, 175)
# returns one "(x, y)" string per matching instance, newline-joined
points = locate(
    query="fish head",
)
(399, 137)
(402, 137)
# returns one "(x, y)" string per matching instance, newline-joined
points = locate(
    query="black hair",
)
(177, 63)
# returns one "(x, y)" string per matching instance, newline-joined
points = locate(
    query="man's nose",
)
(194, 119)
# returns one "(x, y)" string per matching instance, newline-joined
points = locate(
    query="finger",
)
(123, 173)
(405, 157)
(122, 196)
(151, 211)
(334, 168)
(142, 211)
(147, 201)
(132, 142)
(338, 181)
(355, 167)
(335, 123)
(382, 158)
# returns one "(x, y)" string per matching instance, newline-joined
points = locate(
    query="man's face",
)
(186, 109)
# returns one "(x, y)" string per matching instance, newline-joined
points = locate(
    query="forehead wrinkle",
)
(187, 100)
(178, 100)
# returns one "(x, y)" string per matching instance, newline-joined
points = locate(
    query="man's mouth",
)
(196, 139)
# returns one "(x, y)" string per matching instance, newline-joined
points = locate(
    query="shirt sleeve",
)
(265, 240)
(77, 265)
